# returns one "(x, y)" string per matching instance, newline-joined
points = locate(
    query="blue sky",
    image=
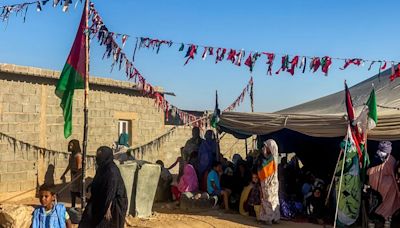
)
(365, 29)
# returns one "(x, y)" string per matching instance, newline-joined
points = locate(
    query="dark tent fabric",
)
(313, 130)
(318, 154)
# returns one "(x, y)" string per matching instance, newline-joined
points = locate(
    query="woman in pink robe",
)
(382, 178)
(187, 183)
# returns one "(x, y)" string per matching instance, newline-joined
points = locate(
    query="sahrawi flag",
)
(72, 75)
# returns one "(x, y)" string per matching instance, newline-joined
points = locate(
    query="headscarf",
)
(76, 148)
(268, 166)
(384, 148)
(104, 156)
(207, 152)
(188, 182)
(236, 158)
(209, 135)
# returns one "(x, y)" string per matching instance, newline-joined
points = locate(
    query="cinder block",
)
(22, 118)
(8, 156)
(5, 107)
(3, 188)
(33, 118)
(7, 177)
(29, 89)
(28, 128)
(29, 108)
(20, 166)
(16, 108)
(13, 186)
(4, 127)
(24, 99)
(28, 185)
(3, 167)
(35, 99)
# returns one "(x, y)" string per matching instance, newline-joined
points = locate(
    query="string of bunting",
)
(45, 152)
(22, 8)
(289, 63)
(157, 142)
(240, 98)
(119, 59)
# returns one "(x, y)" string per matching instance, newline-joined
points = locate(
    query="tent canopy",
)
(325, 117)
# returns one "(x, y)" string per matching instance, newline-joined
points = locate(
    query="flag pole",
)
(85, 110)
(253, 140)
(217, 134)
(341, 178)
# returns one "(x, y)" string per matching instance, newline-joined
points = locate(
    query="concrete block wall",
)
(30, 112)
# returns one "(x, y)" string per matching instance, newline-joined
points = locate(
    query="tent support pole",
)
(333, 178)
(341, 178)
(245, 141)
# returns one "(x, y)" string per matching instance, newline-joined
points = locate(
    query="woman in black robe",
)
(108, 203)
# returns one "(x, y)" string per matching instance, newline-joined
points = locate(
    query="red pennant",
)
(294, 63)
(232, 56)
(384, 66)
(191, 52)
(270, 57)
(347, 62)
(283, 64)
(327, 63)
(396, 73)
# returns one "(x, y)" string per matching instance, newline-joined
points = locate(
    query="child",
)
(214, 187)
(50, 214)
(254, 201)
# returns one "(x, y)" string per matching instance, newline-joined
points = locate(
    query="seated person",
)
(254, 200)
(187, 183)
(163, 192)
(50, 213)
(127, 156)
(227, 179)
(213, 184)
(317, 206)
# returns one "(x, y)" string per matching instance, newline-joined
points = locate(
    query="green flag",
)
(217, 112)
(72, 75)
(372, 111)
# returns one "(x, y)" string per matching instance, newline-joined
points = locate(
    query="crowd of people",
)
(250, 185)
(268, 186)
(263, 185)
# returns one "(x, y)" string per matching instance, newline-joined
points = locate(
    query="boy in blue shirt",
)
(213, 184)
(50, 214)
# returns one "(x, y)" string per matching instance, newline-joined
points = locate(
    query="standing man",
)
(75, 166)
(192, 144)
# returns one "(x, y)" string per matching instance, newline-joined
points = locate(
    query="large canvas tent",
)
(314, 129)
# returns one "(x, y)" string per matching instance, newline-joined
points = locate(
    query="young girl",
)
(254, 200)
(50, 214)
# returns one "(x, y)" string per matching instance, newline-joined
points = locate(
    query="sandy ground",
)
(168, 215)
